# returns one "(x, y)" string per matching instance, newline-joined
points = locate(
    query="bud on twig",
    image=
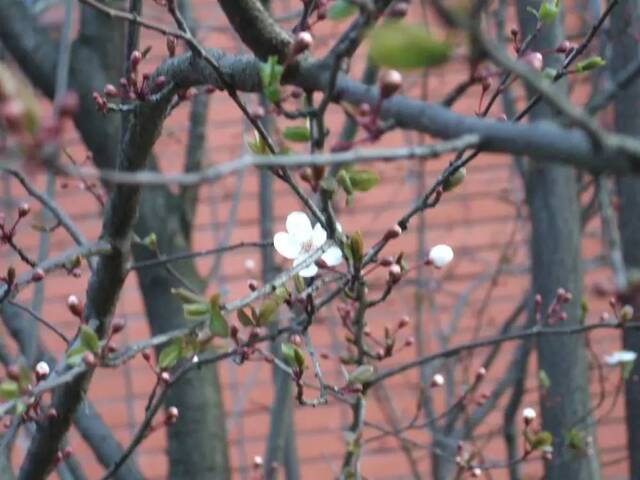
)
(75, 306)
(110, 91)
(89, 359)
(528, 415)
(437, 380)
(390, 82)
(393, 232)
(395, 273)
(302, 42)
(37, 275)
(172, 416)
(534, 60)
(626, 313)
(23, 210)
(135, 59)
(42, 371)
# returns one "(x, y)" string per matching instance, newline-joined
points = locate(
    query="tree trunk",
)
(626, 50)
(556, 263)
(197, 442)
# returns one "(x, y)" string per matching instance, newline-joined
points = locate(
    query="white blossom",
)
(300, 239)
(621, 357)
(440, 255)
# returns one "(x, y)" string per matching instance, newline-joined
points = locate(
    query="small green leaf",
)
(267, 311)
(548, 11)
(257, 145)
(361, 374)
(217, 323)
(356, 242)
(297, 133)
(281, 294)
(452, 181)
(195, 311)
(342, 177)
(185, 296)
(541, 440)
(299, 358)
(395, 44)
(170, 355)
(298, 282)
(271, 74)
(244, 319)
(89, 339)
(576, 440)
(533, 12)
(74, 355)
(9, 390)
(151, 241)
(19, 408)
(590, 64)
(544, 380)
(363, 180)
(292, 355)
(341, 10)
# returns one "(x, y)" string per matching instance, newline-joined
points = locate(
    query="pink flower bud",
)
(302, 42)
(75, 306)
(134, 61)
(23, 210)
(403, 322)
(296, 339)
(481, 373)
(395, 273)
(409, 342)
(37, 275)
(534, 60)
(118, 325)
(164, 377)
(89, 359)
(389, 83)
(171, 416)
(393, 232)
(110, 91)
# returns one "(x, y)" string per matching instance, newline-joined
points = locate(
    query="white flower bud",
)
(440, 255)
(528, 414)
(437, 380)
(42, 370)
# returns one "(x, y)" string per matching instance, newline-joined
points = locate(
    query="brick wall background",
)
(484, 220)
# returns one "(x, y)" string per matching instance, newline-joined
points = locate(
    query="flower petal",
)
(332, 257)
(286, 245)
(309, 271)
(299, 226)
(319, 236)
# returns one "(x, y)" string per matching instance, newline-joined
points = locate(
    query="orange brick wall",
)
(477, 220)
